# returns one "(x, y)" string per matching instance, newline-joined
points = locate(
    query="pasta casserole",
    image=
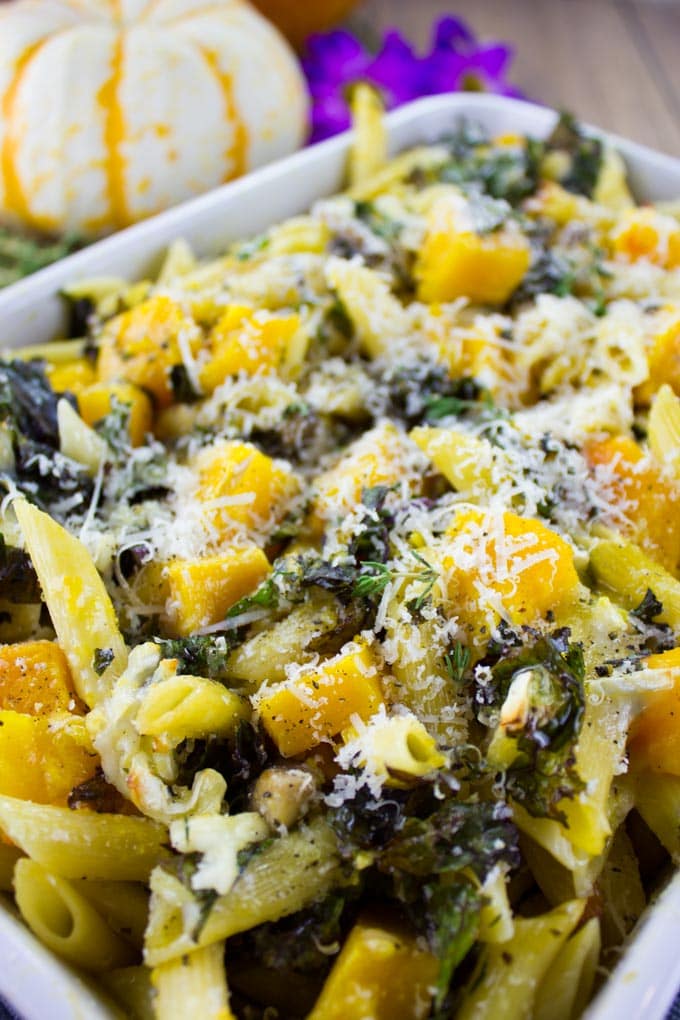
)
(340, 599)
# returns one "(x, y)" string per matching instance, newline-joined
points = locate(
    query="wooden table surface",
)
(615, 63)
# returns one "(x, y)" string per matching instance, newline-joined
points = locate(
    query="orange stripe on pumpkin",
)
(114, 133)
(15, 198)
(236, 154)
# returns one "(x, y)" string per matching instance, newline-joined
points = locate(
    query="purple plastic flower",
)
(456, 61)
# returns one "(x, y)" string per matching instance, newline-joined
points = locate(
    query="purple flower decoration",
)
(456, 62)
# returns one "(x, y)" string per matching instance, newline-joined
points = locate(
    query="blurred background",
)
(615, 63)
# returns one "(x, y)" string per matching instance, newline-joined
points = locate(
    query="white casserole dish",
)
(34, 982)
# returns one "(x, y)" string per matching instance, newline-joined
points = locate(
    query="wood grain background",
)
(615, 63)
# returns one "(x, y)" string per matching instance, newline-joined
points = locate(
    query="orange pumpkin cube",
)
(42, 759)
(144, 344)
(654, 736)
(643, 233)
(202, 591)
(241, 487)
(35, 679)
(648, 501)
(382, 972)
(663, 358)
(506, 562)
(94, 403)
(455, 261)
(245, 340)
(72, 376)
(301, 713)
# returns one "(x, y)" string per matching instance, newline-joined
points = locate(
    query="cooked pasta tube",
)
(508, 975)
(657, 798)
(568, 983)
(194, 985)
(626, 571)
(183, 707)
(123, 905)
(78, 441)
(292, 872)
(131, 988)
(65, 921)
(80, 844)
(70, 581)
(369, 150)
(663, 427)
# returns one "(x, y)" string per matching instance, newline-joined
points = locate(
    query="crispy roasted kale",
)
(423, 392)
(239, 758)
(502, 172)
(28, 404)
(549, 672)
(199, 654)
(424, 852)
(18, 579)
(584, 152)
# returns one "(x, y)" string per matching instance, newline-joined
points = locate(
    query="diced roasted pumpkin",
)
(201, 591)
(144, 344)
(648, 501)
(245, 340)
(94, 403)
(663, 356)
(43, 759)
(505, 561)
(35, 679)
(300, 713)
(643, 233)
(456, 261)
(383, 973)
(242, 487)
(654, 740)
(73, 376)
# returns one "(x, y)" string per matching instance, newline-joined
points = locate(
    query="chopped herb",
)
(457, 661)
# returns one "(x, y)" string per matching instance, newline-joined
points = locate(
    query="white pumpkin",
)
(111, 110)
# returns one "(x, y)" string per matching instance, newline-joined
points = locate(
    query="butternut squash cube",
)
(245, 340)
(643, 233)
(300, 713)
(654, 736)
(94, 403)
(455, 261)
(648, 500)
(382, 972)
(73, 376)
(503, 561)
(144, 344)
(35, 679)
(201, 591)
(663, 357)
(241, 487)
(41, 759)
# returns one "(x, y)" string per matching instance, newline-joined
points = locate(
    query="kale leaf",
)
(503, 172)
(585, 155)
(199, 654)
(423, 392)
(458, 835)
(549, 674)
(28, 402)
(18, 579)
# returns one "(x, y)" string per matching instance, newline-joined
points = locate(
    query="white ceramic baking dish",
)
(648, 976)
